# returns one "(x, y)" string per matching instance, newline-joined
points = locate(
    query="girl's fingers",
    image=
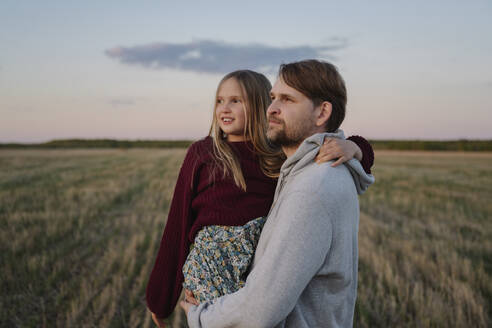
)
(329, 140)
(322, 158)
(330, 149)
(341, 160)
(190, 298)
(335, 149)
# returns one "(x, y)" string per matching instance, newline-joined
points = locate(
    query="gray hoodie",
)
(304, 273)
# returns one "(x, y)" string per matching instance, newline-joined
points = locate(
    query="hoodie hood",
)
(307, 152)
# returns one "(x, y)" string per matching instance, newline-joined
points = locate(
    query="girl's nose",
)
(224, 108)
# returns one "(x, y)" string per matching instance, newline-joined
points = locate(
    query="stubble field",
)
(79, 230)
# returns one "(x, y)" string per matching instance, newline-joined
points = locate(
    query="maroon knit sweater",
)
(197, 203)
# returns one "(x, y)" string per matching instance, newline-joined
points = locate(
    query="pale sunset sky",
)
(149, 69)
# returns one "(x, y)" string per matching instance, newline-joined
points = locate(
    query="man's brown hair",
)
(319, 81)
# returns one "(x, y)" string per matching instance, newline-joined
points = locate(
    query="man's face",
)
(291, 116)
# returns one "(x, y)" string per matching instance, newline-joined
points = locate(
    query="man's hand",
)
(190, 298)
(158, 322)
(333, 148)
(185, 306)
(189, 301)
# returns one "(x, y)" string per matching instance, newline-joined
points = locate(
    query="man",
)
(304, 273)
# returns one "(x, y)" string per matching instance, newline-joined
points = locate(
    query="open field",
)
(79, 230)
(425, 145)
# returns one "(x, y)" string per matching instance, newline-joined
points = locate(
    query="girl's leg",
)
(220, 258)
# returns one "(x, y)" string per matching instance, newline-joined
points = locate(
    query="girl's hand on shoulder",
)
(339, 149)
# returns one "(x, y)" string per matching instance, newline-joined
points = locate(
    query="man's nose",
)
(273, 108)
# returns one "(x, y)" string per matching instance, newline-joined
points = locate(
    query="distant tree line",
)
(452, 145)
(103, 143)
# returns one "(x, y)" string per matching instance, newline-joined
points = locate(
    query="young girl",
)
(223, 194)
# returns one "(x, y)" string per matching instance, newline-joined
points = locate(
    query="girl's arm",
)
(165, 282)
(344, 150)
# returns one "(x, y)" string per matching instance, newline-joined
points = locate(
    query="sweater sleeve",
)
(367, 152)
(295, 253)
(165, 282)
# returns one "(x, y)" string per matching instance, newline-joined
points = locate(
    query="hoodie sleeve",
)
(165, 282)
(296, 251)
(367, 152)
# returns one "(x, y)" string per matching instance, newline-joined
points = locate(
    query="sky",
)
(149, 69)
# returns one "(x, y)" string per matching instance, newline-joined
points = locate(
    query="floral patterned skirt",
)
(219, 259)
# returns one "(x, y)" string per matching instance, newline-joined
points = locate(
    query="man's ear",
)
(324, 113)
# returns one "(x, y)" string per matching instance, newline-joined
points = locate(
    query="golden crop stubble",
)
(84, 229)
(425, 236)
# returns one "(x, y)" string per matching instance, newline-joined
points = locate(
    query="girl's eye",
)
(220, 101)
(236, 101)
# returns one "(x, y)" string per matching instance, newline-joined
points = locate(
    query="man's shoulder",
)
(324, 178)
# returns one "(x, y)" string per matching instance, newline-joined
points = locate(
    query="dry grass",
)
(79, 234)
(426, 242)
(79, 230)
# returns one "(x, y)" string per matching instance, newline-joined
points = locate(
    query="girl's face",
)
(230, 110)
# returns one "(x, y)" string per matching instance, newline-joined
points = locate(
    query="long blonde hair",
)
(255, 88)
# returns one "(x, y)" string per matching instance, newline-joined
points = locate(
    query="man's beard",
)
(292, 137)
